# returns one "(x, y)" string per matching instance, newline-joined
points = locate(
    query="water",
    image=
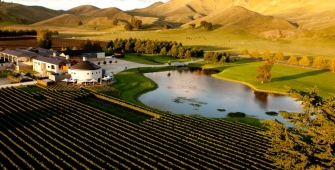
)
(195, 92)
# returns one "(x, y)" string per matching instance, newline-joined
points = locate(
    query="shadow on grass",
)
(209, 47)
(305, 74)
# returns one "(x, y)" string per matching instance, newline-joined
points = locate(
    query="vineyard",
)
(55, 129)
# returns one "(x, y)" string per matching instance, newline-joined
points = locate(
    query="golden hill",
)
(244, 19)
(12, 13)
(99, 17)
(82, 9)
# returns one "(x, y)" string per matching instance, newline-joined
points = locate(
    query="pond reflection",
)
(194, 91)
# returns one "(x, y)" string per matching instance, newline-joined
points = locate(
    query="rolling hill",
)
(12, 13)
(267, 18)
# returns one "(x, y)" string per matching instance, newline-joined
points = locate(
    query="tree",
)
(136, 23)
(264, 72)
(188, 54)
(74, 48)
(80, 23)
(165, 27)
(181, 52)
(208, 56)
(304, 61)
(254, 54)
(192, 26)
(311, 143)
(214, 57)
(163, 51)
(202, 24)
(266, 55)
(292, 60)
(44, 38)
(319, 62)
(96, 45)
(279, 56)
(223, 60)
(245, 52)
(208, 26)
(110, 44)
(174, 51)
(331, 64)
(128, 27)
(115, 22)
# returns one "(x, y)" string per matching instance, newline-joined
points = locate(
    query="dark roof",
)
(51, 60)
(84, 65)
(19, 53)
(80, 52)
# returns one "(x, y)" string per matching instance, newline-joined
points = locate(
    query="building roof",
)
(84, 65)
(52, 60)
(19, 53)
(80, 52)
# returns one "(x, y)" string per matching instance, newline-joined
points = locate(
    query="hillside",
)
(242, 18)
(99, 17)
(82, 9)
(12, 13)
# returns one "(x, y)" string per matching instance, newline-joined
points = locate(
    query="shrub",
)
(236, 114)
(271, 113)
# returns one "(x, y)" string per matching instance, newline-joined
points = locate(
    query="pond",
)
(194, 91)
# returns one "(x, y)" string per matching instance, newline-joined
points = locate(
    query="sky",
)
(68, 4)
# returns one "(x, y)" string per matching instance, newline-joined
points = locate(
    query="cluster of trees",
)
(217, 57)
(17, 33)
(310, 144)
(44, 38)
(318, 62)
(89, 45)
(134, 23)
(21, 20)
(153, 47)
(206, 25)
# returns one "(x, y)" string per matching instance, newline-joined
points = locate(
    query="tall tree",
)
(208, 56)
(319, 62)
(279, 56)
(188, 54)
(264, 72)
(87, 45)
(331, 64)
(214, 57)
(115, 22)
(163, 51)
(266, 55)
(223, 60)
(245, 52)
(44, 38)
(128, 27)
(304, 61)
(292, 60)
(254, 54)
(136, 23)
(310, 144)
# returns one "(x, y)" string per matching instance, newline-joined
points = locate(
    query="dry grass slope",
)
(82, 9)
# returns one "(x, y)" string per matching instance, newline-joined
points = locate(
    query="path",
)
(19, 84)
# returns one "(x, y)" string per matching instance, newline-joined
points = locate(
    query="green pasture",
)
(245, 71)
(132, 83)
(221, 39)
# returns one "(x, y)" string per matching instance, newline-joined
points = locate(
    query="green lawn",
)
(152, 59)
(245, 71)
(132, 83)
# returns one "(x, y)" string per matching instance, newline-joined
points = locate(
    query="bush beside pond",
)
(271, 113)
(236, 114)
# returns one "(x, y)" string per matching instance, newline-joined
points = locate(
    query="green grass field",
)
(245, 71)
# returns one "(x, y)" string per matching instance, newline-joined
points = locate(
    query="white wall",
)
(101, 55)
(85, 74)
(37, 66)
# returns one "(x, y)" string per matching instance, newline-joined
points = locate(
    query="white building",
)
(89, 54)
(50, 64)
(84, 70)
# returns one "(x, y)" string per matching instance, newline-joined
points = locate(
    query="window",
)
(92, 72)
(48, 66)
(52, 66)
(88, 73)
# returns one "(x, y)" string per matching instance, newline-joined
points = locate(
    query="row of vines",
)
(60, 132)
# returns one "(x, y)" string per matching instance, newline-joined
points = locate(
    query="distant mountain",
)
(269, 18)
(12, 13)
